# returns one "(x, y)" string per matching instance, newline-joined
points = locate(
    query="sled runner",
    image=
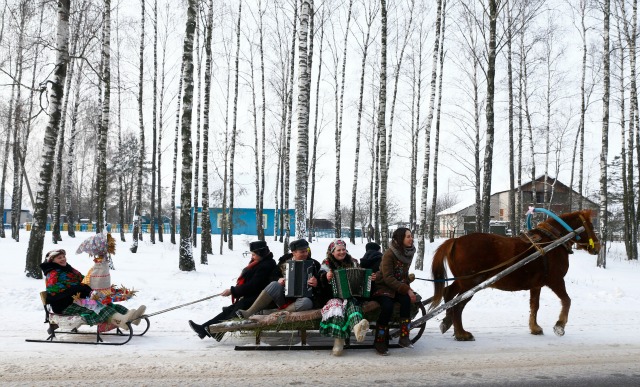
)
(60, 324)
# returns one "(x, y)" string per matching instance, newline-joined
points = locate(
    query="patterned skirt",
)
(93, 318)
(339, 325)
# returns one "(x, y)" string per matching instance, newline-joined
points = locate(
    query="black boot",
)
(380, 342)
(199, 330)
(405, 327)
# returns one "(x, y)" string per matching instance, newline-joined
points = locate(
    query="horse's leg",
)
(458, 331)
(534, 305)
(559, 289)
(447, 321)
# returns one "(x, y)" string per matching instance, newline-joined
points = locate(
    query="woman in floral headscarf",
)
(340, 316)
(66, 293)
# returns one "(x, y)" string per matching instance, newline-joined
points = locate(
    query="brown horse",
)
(476, 257)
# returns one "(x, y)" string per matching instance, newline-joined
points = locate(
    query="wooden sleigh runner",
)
(298, 327)
(60, 324)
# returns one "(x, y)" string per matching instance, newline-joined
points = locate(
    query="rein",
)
(180, 306)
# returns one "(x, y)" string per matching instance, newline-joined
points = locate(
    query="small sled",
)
(69, 325)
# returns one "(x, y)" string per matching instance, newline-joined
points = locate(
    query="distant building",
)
(461, 218)
(244, 221)
(25, 214)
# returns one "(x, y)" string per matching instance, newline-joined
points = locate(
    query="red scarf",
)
(241, 280)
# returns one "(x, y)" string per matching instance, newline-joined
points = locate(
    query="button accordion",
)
(352, 282)
(295, 278)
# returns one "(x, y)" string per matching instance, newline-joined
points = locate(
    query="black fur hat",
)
(259, 247)
(372, 246)
(300, 244)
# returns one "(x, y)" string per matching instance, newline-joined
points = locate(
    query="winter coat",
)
(371, 260)
(63, 282)
(395, 276)
(318, 293)
(255, 278)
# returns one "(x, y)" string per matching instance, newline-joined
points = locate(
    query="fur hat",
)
(259, 248)
(300, 244)
(372, 246)
(54, 253)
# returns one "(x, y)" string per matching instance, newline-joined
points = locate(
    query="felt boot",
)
(360, 330)
(338, 346)
(137, 316)
(120, 320)
(380, 342)
(263, 300)
(199, 330)
(405, 327)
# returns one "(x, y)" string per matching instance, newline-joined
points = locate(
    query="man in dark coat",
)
(253, 279)
(371, 260)
(274, 294)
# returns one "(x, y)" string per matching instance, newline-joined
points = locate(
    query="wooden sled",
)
(68, 325)
(302, 324)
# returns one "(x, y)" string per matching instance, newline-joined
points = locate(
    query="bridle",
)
(590, 244)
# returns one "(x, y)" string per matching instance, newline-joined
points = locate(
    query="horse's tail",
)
(439, 271)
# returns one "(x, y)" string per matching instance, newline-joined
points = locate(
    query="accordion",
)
(295, 278)
(353, 282)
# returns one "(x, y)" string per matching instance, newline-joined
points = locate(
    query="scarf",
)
(404, 255)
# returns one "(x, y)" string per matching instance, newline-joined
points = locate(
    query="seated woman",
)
(253, 279)
(340, 317)
(274, 293)
(64, 284)
(394, 287)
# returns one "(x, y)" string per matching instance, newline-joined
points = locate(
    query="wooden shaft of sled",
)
(471, 292)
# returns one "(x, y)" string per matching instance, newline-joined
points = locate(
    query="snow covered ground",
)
(601, 340)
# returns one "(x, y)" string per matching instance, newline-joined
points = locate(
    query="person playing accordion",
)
(340, 316)
(277, 294)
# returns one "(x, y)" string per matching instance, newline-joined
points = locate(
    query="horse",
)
(476, 257)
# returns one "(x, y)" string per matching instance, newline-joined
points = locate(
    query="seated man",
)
(275, 291)
(249, 285)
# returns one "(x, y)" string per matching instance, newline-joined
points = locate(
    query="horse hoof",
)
(466, 337)
(558, 330)
(444, 326)
(538, 331)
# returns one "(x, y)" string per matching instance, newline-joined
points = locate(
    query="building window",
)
(265, 221)
(539, 197)
(219, 221)
(502, 213)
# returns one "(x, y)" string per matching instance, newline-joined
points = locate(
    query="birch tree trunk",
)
(263, 126)
(338, 136)
(303, 122)
(488, 152)
(71, 163)
(436, 143)
(186, 250)
(121, 195)
(382, 132)
(196, 164)
(206, 221)
(427, 143)
(104, 122)
(354, 188)
(175, 153)
(415, 134)
(286, 224)
(398, 69)
(137, 226)
(512, 177)
(604, 152)
(316, 132)
(234, 131)
(154, 129)
(36, 238)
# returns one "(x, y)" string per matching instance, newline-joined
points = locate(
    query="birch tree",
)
(382, 133)
(56, 94)
(604, 152)
(104, 122)
(137, 226)
(366, 42)
(234, 130)
(427, 156)
(206, 221)
(154, 125)
(303, 122)
(186, 262)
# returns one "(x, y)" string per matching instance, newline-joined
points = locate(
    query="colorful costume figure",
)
(340, 316)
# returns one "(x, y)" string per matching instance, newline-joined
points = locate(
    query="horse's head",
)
(588, 239)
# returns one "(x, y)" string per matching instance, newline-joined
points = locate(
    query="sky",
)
(600, 334)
